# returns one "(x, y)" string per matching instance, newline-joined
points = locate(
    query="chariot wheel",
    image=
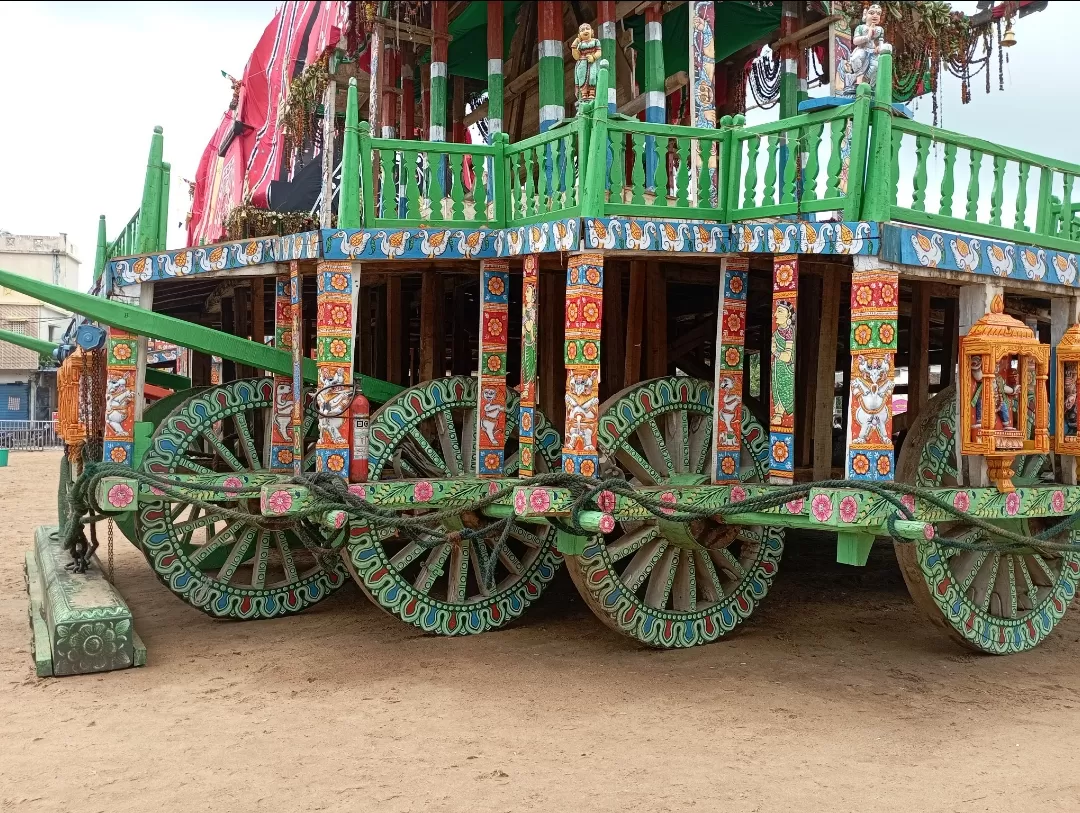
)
(228, 566)
(429, 432)
(669, 584)
(996, 603)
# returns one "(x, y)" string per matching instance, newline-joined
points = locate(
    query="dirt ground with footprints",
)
(837, 696)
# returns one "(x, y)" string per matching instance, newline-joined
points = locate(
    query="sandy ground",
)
(837, 697)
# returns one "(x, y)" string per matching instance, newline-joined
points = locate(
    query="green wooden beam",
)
(142, 322)
(150, 211)
(41, 346)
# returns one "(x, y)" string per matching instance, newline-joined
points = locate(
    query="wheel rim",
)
(223, 566)
(998, 603)
(646, 579)
(427, 432)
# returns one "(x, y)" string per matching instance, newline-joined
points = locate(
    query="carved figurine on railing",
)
(586, 50)
(868, 43)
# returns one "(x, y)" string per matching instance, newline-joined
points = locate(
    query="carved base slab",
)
(79, 622)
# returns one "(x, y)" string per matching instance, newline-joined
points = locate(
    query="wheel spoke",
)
(449, 441)
(195, 522)
(983, 587)
(967, 567)
(698, 447)
(525, 536)
(676, 435)
(712, 590)
(247, 441)
(684, 596)
(428, 450)
(288, 564)
(223, 451)
(468, 442)
(727, 562)
(1044, 576)
(260, 560)
(219, 540)
(637, 466)
(477, 565)
(656, 450)
(510, 561)
(458, 574)
(432, 569)
(1031, 594)
(632, 542)
(236, 556)
(642, 564)
(407, 555)
(662, 579)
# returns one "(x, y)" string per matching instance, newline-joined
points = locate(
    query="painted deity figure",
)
(976, 374)
(1006, 395)
(117, 396)
(867, 43)
(582, 411)
(333, 403)
(586, 50)
(491, 413)
(729, 406)
(875, 388)
(1069, 400)
(705, 48)
(783, 373)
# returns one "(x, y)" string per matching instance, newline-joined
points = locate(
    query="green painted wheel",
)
(224, 566)
(997, 603)
(651, 580)
(428, 432)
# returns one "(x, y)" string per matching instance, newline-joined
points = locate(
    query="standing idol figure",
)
(868, 42)
(586, 50)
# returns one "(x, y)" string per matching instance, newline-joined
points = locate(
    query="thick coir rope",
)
(331, 493)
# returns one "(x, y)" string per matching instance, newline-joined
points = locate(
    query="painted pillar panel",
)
(782, 386)
(215, 370)
(703, 64)
(605, 20)
(552, 92)
(728, 367)
(437, 94)
(584, 310)
(334, 359)
(530, 304)
(296, 425)
(120, 395)
(494, 327)
(281, 447)
(874, 298)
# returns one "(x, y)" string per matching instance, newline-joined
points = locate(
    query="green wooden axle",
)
(176, 331)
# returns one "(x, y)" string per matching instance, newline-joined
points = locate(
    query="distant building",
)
(28, 390)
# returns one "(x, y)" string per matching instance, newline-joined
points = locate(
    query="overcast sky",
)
(83, 85)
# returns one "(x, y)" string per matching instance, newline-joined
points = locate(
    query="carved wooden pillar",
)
(281, 445)
(874, 298)
(530, 303)
(584, 311)
(728, 370)
(782, 383)
(494, 328)
(334, 359)
(120, 395)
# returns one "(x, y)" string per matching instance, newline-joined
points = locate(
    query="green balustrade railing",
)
(813, 162)
(979, 187)
(410, 183)
(845, 159)
(127, 243)
(544, 174)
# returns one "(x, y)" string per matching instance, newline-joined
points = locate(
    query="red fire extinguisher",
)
(359, 422)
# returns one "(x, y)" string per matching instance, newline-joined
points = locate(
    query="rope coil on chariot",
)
(331, 493)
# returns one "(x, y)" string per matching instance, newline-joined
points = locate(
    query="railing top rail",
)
(794, 122)
(554, 134)
(666, 130)
(442, 147)
(988, 147)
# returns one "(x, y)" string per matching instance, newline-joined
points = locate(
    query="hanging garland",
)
(298, 121)
(245, 222)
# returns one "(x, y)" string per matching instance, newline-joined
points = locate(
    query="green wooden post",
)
(163, 221)
(860, 130)
(367, 176)
(605, 18)
(501, 183)
(99, 256)
(437, 94)
(349, 216)
(150, 211)
(592, 203)
(732, 167)
(879, 180)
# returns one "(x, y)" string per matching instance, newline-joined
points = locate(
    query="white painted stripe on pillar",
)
(611, 95)
(438, 133)
(552, 112)
(607, 31)
(551, 48)
(654, 98)
(653, 31)
(494, 66)
(438, 69)
(387, 132)
(494, 126)
(791, 66)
